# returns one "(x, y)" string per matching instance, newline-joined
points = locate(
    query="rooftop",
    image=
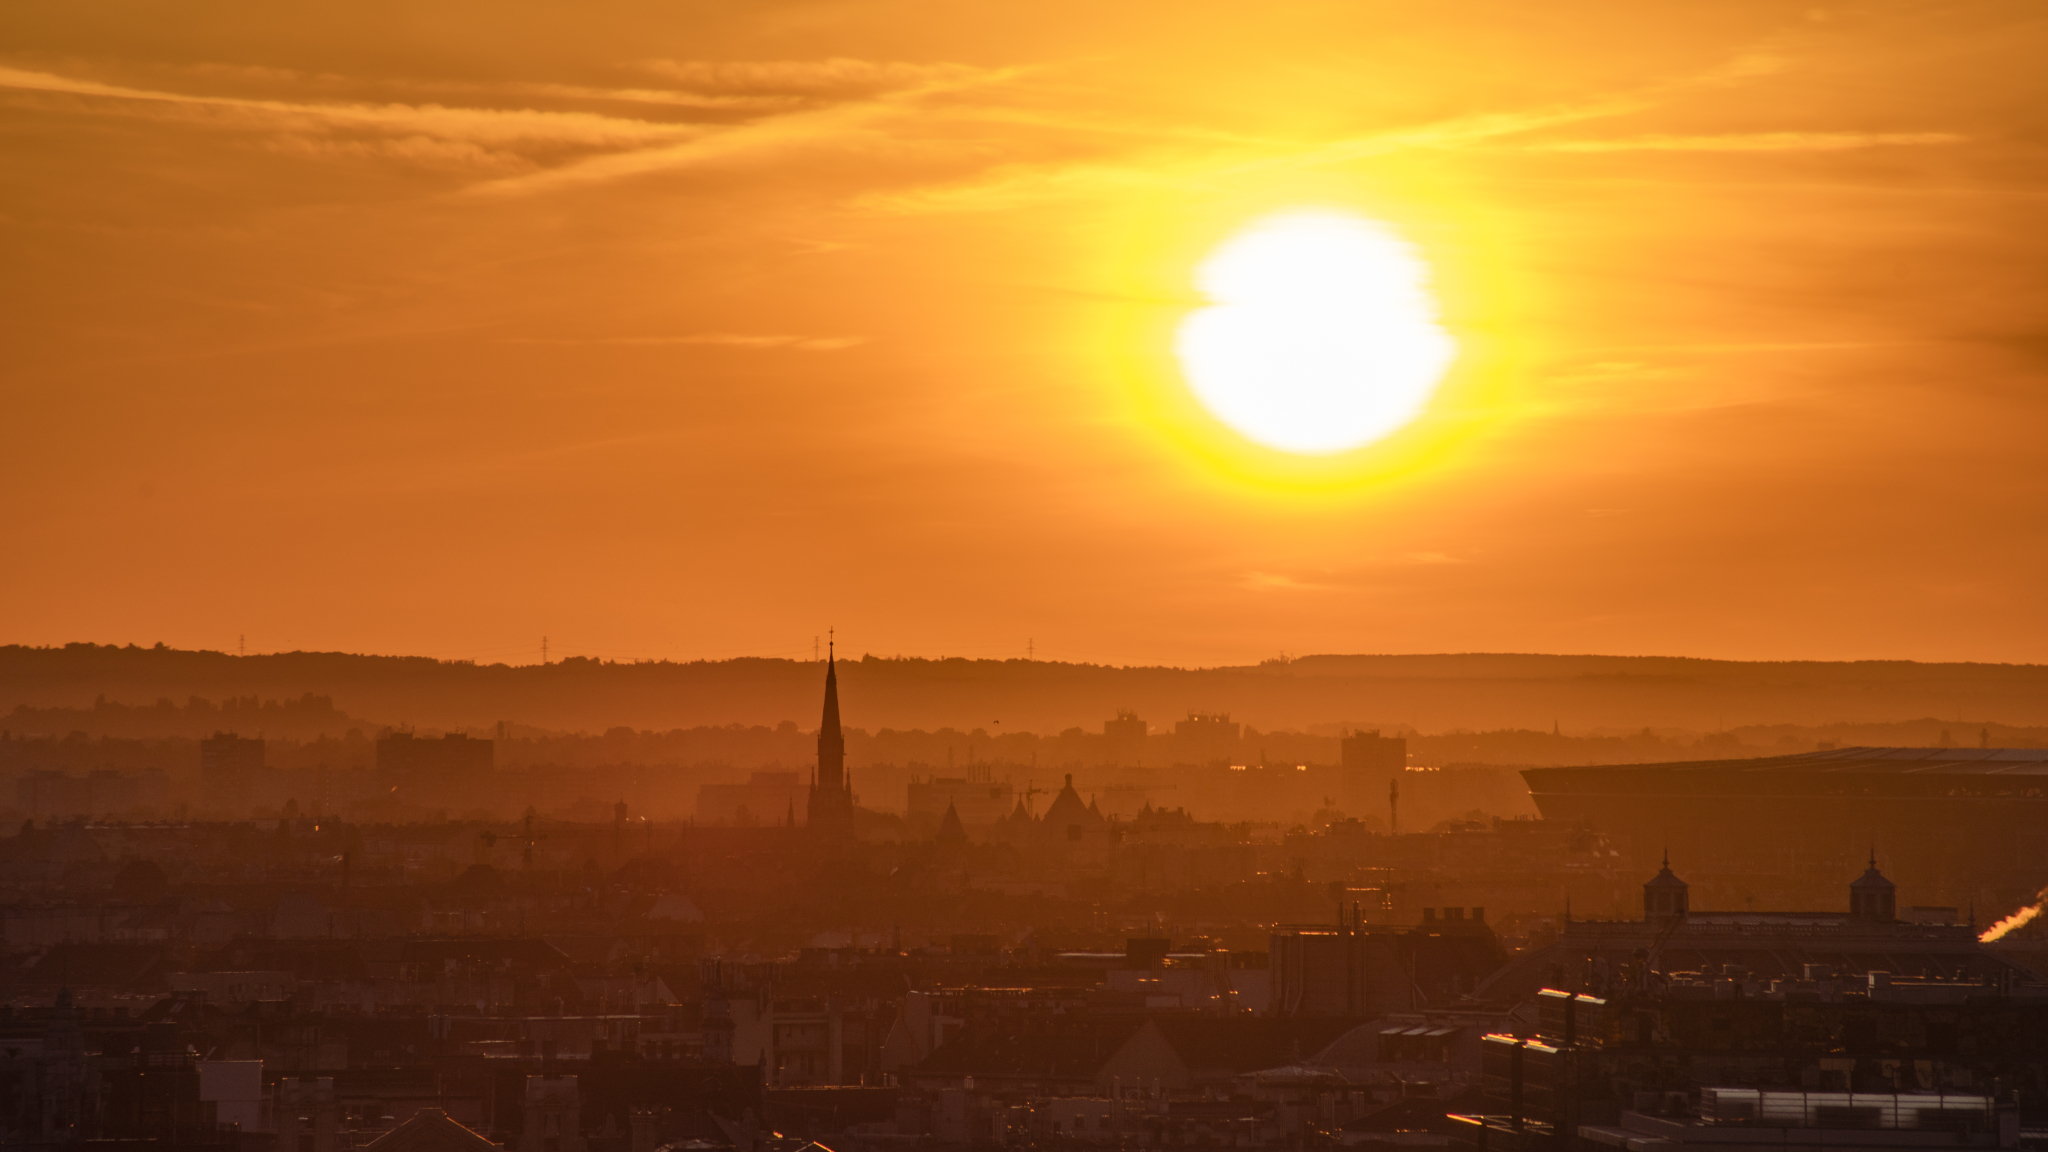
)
(1889, 761)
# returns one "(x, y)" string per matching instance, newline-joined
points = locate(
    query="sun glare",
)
(1322, 335)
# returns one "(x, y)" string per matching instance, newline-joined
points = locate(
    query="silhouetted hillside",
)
(1431, 693)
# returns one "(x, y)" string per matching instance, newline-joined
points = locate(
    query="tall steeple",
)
(831, 743)
(830, 811)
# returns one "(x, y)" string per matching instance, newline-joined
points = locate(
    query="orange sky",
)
(691, 329)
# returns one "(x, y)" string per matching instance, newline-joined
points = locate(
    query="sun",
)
(1321, 335)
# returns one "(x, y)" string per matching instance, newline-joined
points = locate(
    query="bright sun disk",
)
(1322, 335)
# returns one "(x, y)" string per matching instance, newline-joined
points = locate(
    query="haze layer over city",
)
(869, 575)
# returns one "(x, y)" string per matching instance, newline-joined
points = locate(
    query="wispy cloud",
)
(1276, 582)
(1229, 160)
(770, 109)
(480, 125)
(859, 121)
(1752, 142)
(1179, 160)
(833, 76)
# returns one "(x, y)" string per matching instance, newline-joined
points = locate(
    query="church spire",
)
(831, 742)
(828, 729)
(831, 805)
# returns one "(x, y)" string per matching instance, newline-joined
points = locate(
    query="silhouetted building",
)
(455, 756)
(228, 768)
(975, 802)
(44, 793)
(950, 829)
(831, 805)
(1672, 937)
(1666, 896)
(1126, 738)
(1724, 1058)
(1372, 765)
(1207, 737)
(766, 798)
(1358, 969)
(1068, 817)
(1369, 754)
(552, 1117)
(1872, 897)
(1963, 821)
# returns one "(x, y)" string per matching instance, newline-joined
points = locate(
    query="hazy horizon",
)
(657, 329)
(1426, 693)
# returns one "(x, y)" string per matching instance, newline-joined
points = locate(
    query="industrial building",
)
(1969, 825)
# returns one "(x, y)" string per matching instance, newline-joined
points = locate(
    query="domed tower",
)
(1872, 897)
(1665, 895)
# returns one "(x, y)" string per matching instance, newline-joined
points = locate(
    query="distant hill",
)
(1433, 693)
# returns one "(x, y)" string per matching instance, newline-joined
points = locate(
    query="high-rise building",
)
(1372, 767)
(1206, 737)
(1371, 755)
(1125, 736)
(831, 806)
(229, 766)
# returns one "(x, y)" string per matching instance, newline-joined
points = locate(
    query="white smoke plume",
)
(2018, 919)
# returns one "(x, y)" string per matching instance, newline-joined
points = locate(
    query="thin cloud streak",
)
(475, 124)
(1019, 185)
(1754, 142)
(837, 74)
(770, 136)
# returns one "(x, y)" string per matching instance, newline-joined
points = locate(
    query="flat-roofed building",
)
(455, 756)
(1969, 825)
(767, 798)
(229, 766)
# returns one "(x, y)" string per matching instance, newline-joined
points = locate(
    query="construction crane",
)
(526, 833)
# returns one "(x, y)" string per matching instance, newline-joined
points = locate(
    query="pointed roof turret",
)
(951, 831)
(1872, 878)
(1872, 896)
(1665, 894)
(1066, 809)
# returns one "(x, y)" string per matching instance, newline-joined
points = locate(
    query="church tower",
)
(1665, 896)
(831, 807)
(1872, 897)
